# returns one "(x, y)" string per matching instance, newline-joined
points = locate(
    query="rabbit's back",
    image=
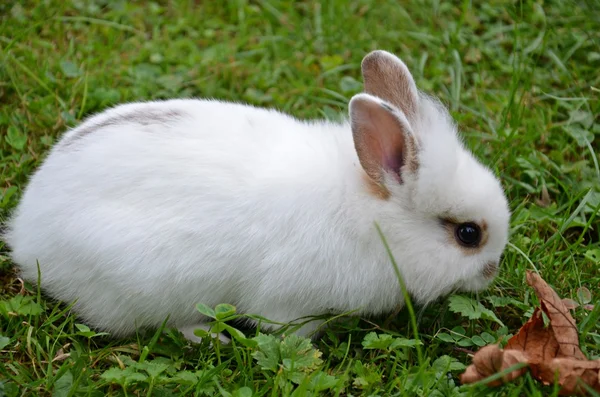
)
(150, 208)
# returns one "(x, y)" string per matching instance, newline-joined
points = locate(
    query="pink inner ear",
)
(392, 140)
(390, 135)
(380, 138)
(393, 163)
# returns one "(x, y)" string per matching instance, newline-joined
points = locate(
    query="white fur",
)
(216, 202)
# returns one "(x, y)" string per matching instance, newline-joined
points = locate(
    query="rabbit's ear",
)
(382, 137)
(387, 77)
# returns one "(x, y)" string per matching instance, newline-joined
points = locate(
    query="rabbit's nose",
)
(489, 270)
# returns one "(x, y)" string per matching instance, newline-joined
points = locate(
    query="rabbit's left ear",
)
(383, 138)
(387, 77)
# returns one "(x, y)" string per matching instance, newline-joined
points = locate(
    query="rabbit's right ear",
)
(387, 77)
(383, 138)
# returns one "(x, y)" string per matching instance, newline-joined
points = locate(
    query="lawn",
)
(520, 77)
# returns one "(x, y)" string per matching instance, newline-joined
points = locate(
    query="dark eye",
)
(468, 234)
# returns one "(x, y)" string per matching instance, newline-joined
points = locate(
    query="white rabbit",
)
(148, 208)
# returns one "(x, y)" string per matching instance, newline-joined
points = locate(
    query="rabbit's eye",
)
(468, 234)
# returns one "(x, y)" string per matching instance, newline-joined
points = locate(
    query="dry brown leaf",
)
(562, 323)
(569, 372)
(552, 352)
(544, 201)
(61, 355)
(539, 342)
(490, 360)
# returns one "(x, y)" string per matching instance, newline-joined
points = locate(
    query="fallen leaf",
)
(492, 359)
(552, 352)
(562, 324)
(61, 355)
(569, 372)
(544, 201)
(534, 339)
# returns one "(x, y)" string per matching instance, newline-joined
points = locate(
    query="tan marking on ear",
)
(387, 77)
(412, 160)
(375, 188)
(450, 224)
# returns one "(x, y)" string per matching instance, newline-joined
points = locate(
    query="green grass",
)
(521, 79)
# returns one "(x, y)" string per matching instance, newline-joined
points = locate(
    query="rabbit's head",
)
(444, 214)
